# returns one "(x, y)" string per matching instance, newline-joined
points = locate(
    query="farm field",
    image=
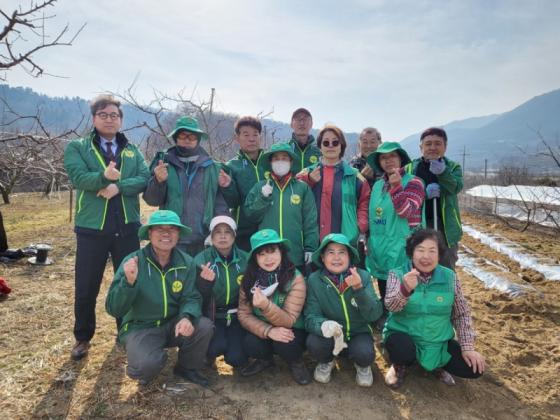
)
(520, 337)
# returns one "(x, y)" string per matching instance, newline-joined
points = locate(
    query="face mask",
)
(185, 151)
(281, 167)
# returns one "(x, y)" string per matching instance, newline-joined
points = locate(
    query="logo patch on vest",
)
(379, 212)
(128, 153)
(313, 159)
(177, 286)
(439, 299)
(295, 199)
(266, 174)
(239, 279)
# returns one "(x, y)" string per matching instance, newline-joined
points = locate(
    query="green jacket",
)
(223, 293)
(307, 156)
(355, 310)
(451, 184)
(290, 211)
(426, 318)
(156, 297)
(387, 232)
(84, 164)
(244, 174)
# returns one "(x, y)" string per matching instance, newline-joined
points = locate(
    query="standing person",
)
(271, 301)
(154, 292)
(395, 210)
(286, 205)
(108, 173)
(341, 305)
(341, 192)
(427, 309)
(219, 269)
(302, 142)
(241, 173)
(444, 180)
(185, 180)
(370, 139)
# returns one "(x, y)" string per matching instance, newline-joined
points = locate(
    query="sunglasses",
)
(327, 143)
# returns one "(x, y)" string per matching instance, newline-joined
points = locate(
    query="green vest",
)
(387, 232)
(426, 318)
(174, 196)
(278, 298)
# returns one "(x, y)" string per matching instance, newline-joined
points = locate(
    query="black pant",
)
(360, 349)
(92, 252)
(402, 351)
(229, 342)
(258, 348)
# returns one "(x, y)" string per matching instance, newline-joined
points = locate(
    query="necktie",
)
(109, 150)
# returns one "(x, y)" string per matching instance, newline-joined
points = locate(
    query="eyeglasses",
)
(327, 143)
(187, 136)
(104, 115)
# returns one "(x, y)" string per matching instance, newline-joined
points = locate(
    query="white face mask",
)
(281, 167)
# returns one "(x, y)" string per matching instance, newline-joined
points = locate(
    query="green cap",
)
(266, 237)
(338, 238)
(163, 217)
(275, 148)
(387, 147)
(189, 124)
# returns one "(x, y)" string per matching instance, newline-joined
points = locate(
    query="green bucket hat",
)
(266, 237)
(387, 147)
(163, 217)
(189, 124)
(275, 148)
(338, 238)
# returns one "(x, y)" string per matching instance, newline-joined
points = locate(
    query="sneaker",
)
(364, 375)
(394, 377)
(444, 376)
(256, 366)
(323, 372)
(300, 373)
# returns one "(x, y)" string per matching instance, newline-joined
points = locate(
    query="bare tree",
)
(25, 33)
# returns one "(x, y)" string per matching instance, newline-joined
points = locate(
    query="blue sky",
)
(400, 66)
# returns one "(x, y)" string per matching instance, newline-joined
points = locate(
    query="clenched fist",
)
(410, 279)
(160, 172)
(207, 273)
(315, 175)
(130, 268)
(224, 180)
(353, 280)
(111, 172)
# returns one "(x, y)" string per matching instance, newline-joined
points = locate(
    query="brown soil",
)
(519, 337)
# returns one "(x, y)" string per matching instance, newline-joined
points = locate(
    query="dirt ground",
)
(520, 338)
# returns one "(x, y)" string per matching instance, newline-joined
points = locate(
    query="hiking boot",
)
(191, 375)
(394, 377)
(364, 375)
(255, 366)
(444, 376)
(323, 372)
(299, 372)
(80, 350)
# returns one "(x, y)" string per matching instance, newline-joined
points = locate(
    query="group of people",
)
(273, 252)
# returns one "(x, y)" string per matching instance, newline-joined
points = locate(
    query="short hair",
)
(102, 101)
(434, 131)
(371, 130)
(337, 132)
(420, 236)
(247, 121)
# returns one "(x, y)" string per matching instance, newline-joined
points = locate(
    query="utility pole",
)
(464, 155)
(485, 168)
(211, 101)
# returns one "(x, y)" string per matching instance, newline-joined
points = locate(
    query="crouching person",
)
(427, 309)
(341, 305)
(154, 292)
(271, 301)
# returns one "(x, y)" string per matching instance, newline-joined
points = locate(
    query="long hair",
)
(286, 270)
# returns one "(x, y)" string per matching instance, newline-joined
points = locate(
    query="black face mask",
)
(186, 152)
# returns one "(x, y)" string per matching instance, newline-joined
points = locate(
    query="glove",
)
(334, 329)
(307, 257)
(266, 189)
(437, 166)
(432, 190)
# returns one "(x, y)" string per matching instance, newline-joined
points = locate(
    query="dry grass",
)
(38, 379)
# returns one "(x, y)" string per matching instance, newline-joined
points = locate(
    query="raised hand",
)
(224, 180)
(437, 166)
(130, 269)
(410, 279)
(353, 280)
(259, 299)
(315, 175)
(207, 273)
(184, 327)
(111, 172)
(266, 189)
(395, 177)
(367, 172)
(160, 171)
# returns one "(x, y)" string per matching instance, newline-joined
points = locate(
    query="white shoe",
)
(364, 375)
(323, 372)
